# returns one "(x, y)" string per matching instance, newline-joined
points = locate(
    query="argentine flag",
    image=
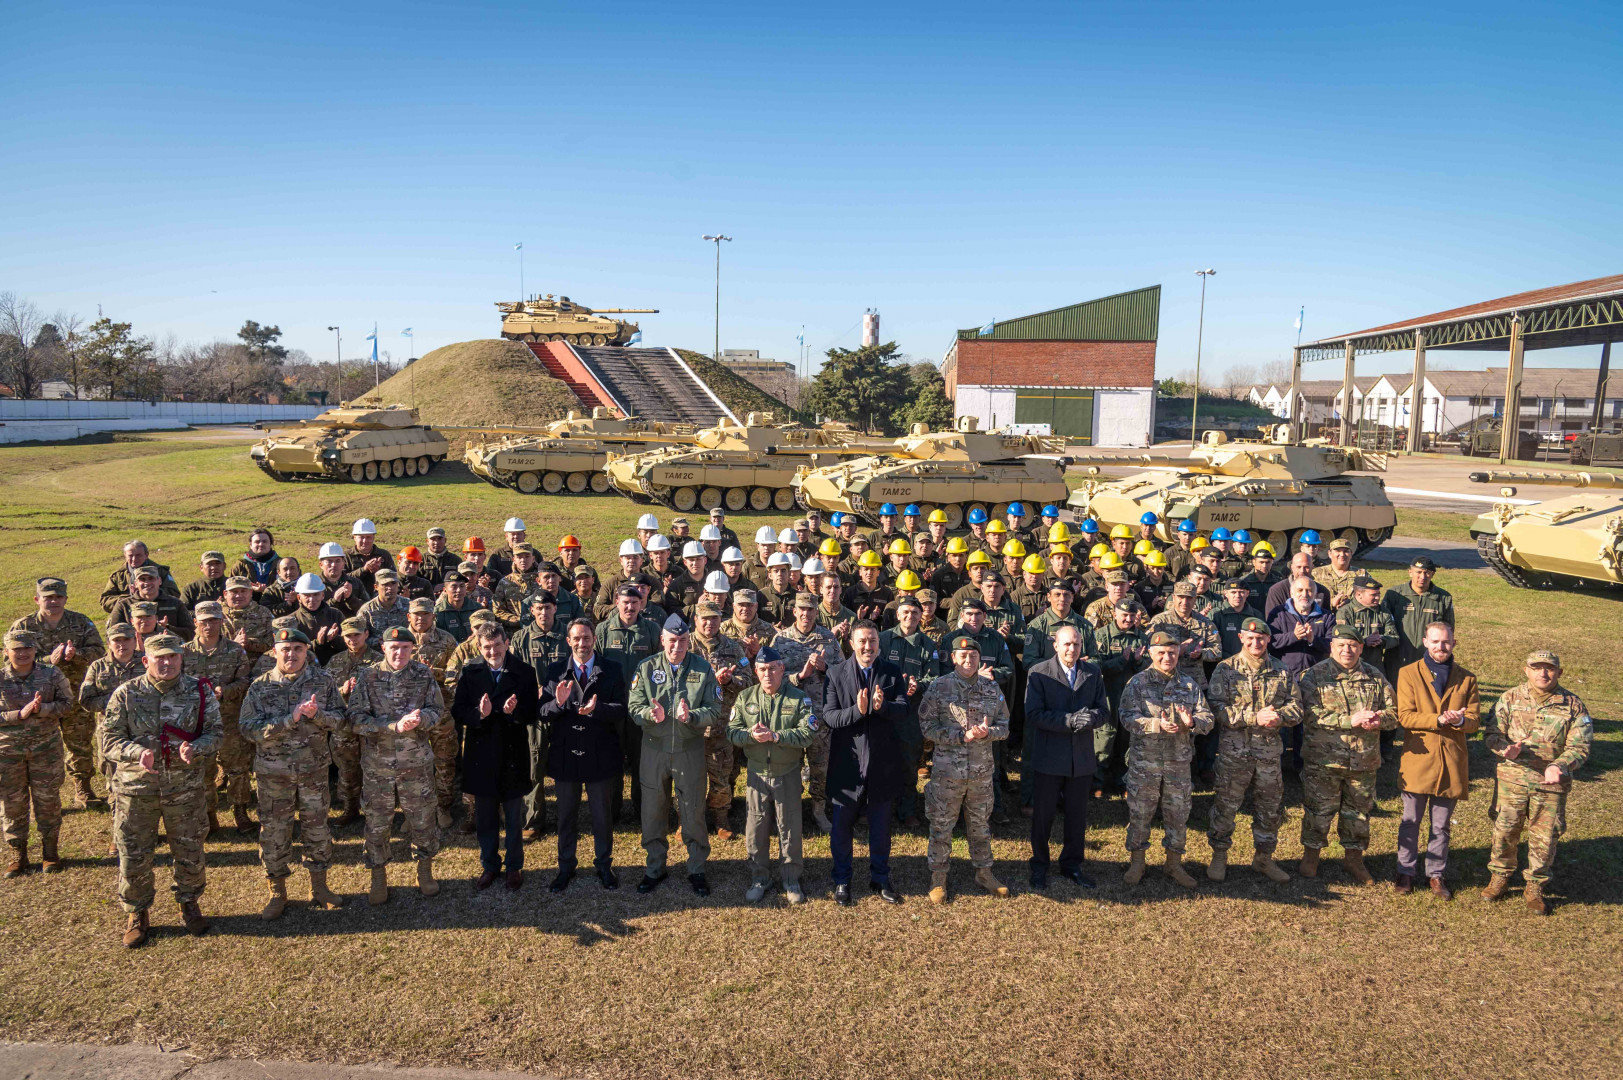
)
(635, 339)
(987, 329)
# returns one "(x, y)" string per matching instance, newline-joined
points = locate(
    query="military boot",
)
(192, 917)
(239, 818)
(1496, 887)
(214, 821)
(442, 818)
(425, 878)
(321, 896)
(938, 888)
(136, 930)
(820, 816)
(1173, 868)
(1534, 895)
(18, 866)
(1263, 863)
(351, 814)
(1135, 869)
(379, 893)
(87, 794)
(278, 899)
(1310, 863)
(1353, 863)
(49, 859)
(988, 881)
(1218, 868)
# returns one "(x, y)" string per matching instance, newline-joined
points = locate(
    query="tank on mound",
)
(352, 443)
(1274, 488)
(1572, 538)
(567, 455)
(956, 471)
(562, 319)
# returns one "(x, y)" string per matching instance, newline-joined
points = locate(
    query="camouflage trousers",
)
(1234, 776)
(346, 755)
(136, 815)
(815, 772)
(79, 737)
(1335, 795)
(944, 798)
(31, 769)
(1158, 784)
(280, 797)
(414, 787)
(1542, 815)
(723, 766)
(444, 741)
(237, 762)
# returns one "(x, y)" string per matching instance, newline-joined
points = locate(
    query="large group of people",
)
(828, 663)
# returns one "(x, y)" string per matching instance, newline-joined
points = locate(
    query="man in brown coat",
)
(1437, 708)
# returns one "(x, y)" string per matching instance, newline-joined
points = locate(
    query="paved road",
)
(1447, 554)
(47, 1061)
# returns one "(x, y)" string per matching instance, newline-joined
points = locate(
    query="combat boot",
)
(18, 866)
(350, 816)
(380, 887)
(1263, 863)
(1496, 887)
(192, 917)
(278, 899)
(1135, 869)
(239, 818)
(1173, 868)
(1353, 863)
(136, 930)
(425, 878)
(821, 817)
(1310, 863)
(321, 896)
(87, 795)
(442, 818)
(988, 881)
(1534, 895)
(214, 821)
(49, 859)
(1218, 868)
(938, 888)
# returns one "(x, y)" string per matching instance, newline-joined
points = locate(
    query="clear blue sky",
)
(188, 167)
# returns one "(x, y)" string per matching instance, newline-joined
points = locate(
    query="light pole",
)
(519, 247)
(717, 238)
(338, 368)
(1200, 333)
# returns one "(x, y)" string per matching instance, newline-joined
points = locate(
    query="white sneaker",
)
(756, 893)
(793, 894)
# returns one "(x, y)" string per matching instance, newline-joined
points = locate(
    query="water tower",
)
(870, 327)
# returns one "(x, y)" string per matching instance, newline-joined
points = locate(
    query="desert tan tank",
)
(567, 455)
(561, 319)
(738, 467)
(352, 443)
(1274, 489)
(1572, 538)
(956, 471)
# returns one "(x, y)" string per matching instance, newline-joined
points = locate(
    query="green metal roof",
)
(1128, 316)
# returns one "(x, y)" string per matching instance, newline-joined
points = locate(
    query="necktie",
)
(1073, 678)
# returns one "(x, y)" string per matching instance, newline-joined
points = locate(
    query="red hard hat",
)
(568, 542)
(473, 543)
(410, 554)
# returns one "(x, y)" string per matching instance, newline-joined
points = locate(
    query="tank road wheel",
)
(357, 473)
(784, 499)
(760, 498)
(371, 470)
(572, 339)
(955, 517)
(423, 465)
(600, 339)
(576, 482)
(685, 499)
(552, 482)
(925, 510)
(998, 512)
(737, 499)
(710, 498)
(411, 466)
(527, 482)
(599, 483)
(398, 467)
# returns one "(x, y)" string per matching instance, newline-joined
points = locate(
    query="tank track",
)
(1488, 548)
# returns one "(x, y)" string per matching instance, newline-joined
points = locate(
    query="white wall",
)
(16, 431)
(992, 405)
(193, 412)
(1123, 417)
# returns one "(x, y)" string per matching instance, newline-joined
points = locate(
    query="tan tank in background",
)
(352, 443)
(1275, 489)
(956, 471)
(1567, 540)
(566, 455)
(739, 467)
(561, 319)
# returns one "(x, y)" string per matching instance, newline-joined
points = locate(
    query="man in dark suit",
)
(1065, 704)
(584, 702)
(495, 704)
(864, 700)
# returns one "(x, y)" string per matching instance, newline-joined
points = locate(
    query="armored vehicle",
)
(1275, 489)
(1483, 440)
(954, 471)
(352, 443)
(1575, 537)
(562, 319)
(566, 455)
(749, 466)
(1596, 448)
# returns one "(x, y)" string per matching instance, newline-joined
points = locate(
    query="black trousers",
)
(600, 795)
(489, 817)
(1076, 790)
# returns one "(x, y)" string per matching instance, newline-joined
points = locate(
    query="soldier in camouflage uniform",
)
(746, 626)
(246, 622)
(118, 583)
(225, 664)
(345, 745)
(387, 609)
(395, 705)
(1162, 708)
(34, 696)
(1102, 612)
(434, 648)
(513, 591)
(732, 670)
(173, 616)
(121, 664)
(68, 641)
(1339, 577)
(963, 713)
(160, 729)
(289, 713)
(1345, 705)
(808, 651)
(1541, 733)
(1200, 641)
(541, 643)
(918, 658)
(1252, 696)
(1365, 614)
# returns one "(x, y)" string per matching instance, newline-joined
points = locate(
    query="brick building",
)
(1087, 370)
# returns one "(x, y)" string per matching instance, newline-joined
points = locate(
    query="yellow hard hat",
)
(1110, 562)
(937, 517)
(900, 547)
(871, 558)
(996, 527)
(1098, 551)
(1059, 533)
(1120, 532)
(1262, 547)
(1060, 549)
(1143, 547)
(957, 545)
(1015, 548)
(830, 546)
(1199, 542)
(908, 581)
(1155, 558)
(1035, 564)
(979, 558)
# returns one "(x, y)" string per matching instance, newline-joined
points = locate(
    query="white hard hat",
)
(364, 527)
(710, 532)
(778, 559)
(788, 536)
(692, 550)
(766, 535)
(514, 525)
(659, 542)
(631, 547)
(732, 555)
(330, 550)
(813, 567)
(309, 583)
(717, 583)
(648, 521)
(794, 561)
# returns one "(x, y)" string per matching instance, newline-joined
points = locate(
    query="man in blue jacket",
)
(1066, 705)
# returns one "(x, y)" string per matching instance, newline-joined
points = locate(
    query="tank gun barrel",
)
(1134, 461)
(1549, 479)
(625, 311)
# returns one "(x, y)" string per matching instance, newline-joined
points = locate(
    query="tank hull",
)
(350, 455)
(861, 487)
(738, 480)
(1570, 540)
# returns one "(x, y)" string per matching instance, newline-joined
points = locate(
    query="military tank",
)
(955, 471)
(561, 319)
(352, 443)
(1573, 538)
(1596, 448)
(566, 455)
(1274, 488)
(749, 466)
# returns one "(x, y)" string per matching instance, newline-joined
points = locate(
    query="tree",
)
(24, 354)
(861, 386)
(929, 405)
(1173, 387)
(119, 363)
(261, 341)
(221, 371)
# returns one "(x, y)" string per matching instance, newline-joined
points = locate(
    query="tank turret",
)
(1569, 539)
(562, 319)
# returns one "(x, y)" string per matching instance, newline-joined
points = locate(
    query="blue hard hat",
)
(888, 508)
(977, 516)
(1187, 525)
(836, 519)
(1148, 518)
(912, 510)
(1309, 537)
(1221, 534)
(1243, 536)
(1089, 525)
(1050, 511)
(1017, 509)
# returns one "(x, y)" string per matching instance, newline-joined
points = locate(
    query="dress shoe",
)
(531, 836)
(649, 884)
(842, 895)
(1403, 884)
(911, 821)
(1039, 877)
(561, 882)
(1440, 889)
(724, 833)
(1076, 877)
(487, 878)
(886, 893)
(1000, 817)
(700, 886)
(608, 877)
(515, 880)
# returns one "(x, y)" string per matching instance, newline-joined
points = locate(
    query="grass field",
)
(1244, 979)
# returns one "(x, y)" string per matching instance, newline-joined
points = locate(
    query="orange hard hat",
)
(568, 542)
(410, 554)
(472, 543)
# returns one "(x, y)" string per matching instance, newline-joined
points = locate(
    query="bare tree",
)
(22, 354)
(70, 326)
(1239, 379)
(1277, 372)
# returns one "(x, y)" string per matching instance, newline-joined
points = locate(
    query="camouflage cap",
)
(481, 616)
(290, 633)
(421, 606)
(1339, 544)
(354, 626)
(965, 641)
(525, 548)
(212, 556)
(744, 596)
(120, 630)
(237, 583)
(801, 523)
(163, 645)
(1117, 577)
(1255, 626)
(928, 596)
(1184, 588)
(145, 571)
(705, 609)
(399, 633)
(678, 521)
(1347, 632)
(584, 571)
(805, 602)
(50, 586)
(1165, 637)
(436, 531)
(923, 536)
(1543, 656)
(1365, 581)
(386, 575)
(144, 608)
(22, 639)
(466, 566)
(208, 609)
